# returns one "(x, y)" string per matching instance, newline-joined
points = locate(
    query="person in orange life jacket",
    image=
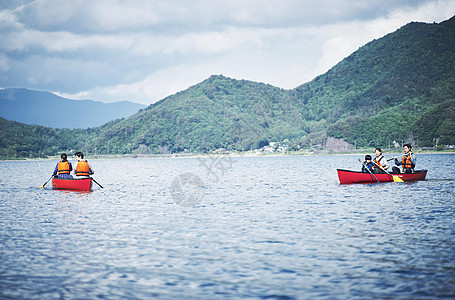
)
(368, 163)
(407, 161)
(381, 161)
(63, 168)
(83, 169)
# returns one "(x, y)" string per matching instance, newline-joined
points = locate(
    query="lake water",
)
(224, 227)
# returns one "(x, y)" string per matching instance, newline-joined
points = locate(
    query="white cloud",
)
(146, 50)
(155, 87)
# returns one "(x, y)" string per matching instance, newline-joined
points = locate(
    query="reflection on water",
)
(255, 227)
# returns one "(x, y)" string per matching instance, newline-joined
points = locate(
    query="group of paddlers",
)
(379, 164)
(64, 167)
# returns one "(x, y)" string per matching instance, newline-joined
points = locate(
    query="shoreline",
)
(241, 154)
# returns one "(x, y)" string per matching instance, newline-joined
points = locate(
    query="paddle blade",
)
(397, 179)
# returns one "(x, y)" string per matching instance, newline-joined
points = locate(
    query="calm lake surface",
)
(225, 227)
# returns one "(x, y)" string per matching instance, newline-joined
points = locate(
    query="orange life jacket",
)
(406, 161)
(82, 168)
(378, 161)
(63, 167)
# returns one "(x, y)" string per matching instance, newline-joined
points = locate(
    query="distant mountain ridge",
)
(47, 109)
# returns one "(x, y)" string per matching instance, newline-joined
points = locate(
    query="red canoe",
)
(84, 184)
(347, 176)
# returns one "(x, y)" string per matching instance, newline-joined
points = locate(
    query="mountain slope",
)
(43, 108)
(371, 98)
(18, 140)
(402, 65)
(387, 83)
(219, 112)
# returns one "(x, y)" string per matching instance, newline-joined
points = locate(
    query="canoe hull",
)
(84, 184)
(347, 176)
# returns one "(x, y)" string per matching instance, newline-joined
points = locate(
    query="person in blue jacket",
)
(368, 163)
(63, 168)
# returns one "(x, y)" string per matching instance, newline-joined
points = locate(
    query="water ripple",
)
(266, 228)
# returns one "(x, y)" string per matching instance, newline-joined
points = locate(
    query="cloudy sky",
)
(145, 50)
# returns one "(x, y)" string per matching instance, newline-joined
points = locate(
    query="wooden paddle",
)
(394, 177)
(368, 169)
(46, 182)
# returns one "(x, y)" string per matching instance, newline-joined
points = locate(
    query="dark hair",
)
(379, 149)
(79, 154)
(64, 157)
(367, 157)
(407, 145)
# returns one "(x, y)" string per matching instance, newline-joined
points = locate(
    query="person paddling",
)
(83, 169)
(63, 168)
(407, 161)
(380, 162)
(367, 164)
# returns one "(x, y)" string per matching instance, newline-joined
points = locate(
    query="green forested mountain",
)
(18, 140)
(378, 93)
(219, 112)
(395, 87)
